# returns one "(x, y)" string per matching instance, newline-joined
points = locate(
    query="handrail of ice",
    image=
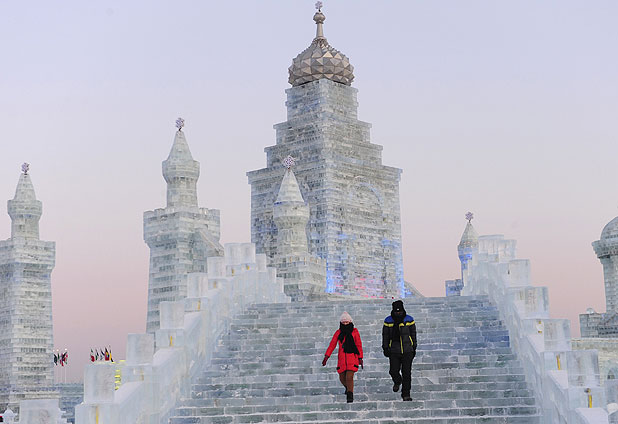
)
(158, 369)
(566, 381)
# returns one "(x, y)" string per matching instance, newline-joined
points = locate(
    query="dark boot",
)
(350, 396)
(396, 387)
(406, 397)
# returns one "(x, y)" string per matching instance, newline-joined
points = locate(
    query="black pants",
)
(403, 364)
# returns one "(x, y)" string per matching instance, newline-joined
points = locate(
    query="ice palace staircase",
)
(267, 368)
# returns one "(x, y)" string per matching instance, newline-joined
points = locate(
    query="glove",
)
(386, 353)
(324, 360)
(360, 361)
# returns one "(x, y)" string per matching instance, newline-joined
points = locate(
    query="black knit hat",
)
(398, 305)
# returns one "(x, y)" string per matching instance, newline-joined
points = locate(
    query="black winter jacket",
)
(405, 343)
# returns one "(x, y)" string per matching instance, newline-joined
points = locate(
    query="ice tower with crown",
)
(182, 235)
(26, 336)
(354, 213)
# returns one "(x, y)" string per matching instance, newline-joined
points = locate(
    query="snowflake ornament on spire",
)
(318, 6)
(180, 123)
(289, 162)
(469, 216)
(25, 167)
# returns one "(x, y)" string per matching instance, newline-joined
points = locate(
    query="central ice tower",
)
(354, 221)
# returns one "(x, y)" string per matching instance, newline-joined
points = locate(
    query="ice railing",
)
(158, 369)
(566, 382)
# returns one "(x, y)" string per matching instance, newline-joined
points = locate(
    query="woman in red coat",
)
(350, 354)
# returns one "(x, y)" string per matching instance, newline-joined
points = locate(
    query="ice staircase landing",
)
(268, 368)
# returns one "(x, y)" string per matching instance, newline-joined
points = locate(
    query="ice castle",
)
(236, 333)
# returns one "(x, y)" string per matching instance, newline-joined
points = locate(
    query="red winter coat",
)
(346, 361)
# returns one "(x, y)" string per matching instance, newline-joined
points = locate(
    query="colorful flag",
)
(91, 356)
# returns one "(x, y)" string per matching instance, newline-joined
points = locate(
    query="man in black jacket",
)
(399, 345)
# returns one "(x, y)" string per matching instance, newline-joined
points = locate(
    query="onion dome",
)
(320, 60)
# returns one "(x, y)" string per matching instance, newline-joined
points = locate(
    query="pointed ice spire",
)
(469, 237)
(289, 190)
(181, 171)
(24, 209)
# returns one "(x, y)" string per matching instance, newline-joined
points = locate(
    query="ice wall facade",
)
(353, 199)
(180, 236)
(26, 336)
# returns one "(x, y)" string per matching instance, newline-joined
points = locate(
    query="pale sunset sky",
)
(505, 109)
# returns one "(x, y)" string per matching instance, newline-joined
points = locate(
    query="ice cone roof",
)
(25, 189)
(469, 236)
(289, 190)
(180, 149)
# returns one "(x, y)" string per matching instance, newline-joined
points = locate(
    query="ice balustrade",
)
(158, 369)
(566, 382)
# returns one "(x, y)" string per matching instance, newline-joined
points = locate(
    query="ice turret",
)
(291, 215)
(26, 331)
(467, 246)
(180, 236)
(24, 209)
(304, 274)
(181, 172)
(606, 249)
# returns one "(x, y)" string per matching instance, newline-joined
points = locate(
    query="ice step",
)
(267, 368)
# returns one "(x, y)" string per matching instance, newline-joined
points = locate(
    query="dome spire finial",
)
(289, 162)
(319, 19)
(180, 123)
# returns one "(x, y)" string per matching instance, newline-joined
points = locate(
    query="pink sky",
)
(506, 109)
